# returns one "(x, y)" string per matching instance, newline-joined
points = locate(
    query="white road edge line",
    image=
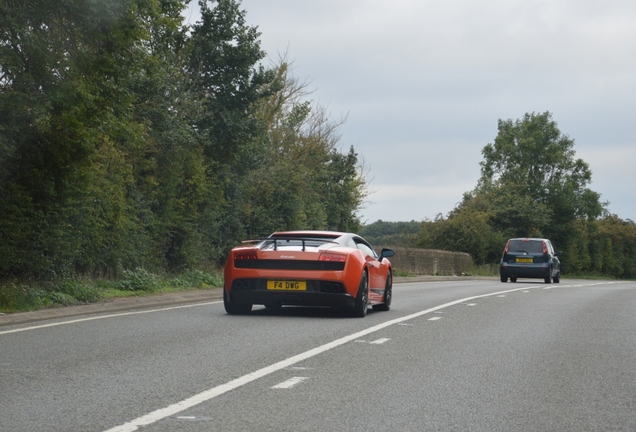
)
(207, 395)
(106, 316)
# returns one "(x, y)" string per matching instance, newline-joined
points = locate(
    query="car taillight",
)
(332, 257)
(545, 248)
(507, 246)
(245, 255)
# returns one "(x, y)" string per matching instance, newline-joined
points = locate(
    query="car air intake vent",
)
(289, 265)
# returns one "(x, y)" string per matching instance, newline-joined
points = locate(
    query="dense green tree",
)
(468, 230)
(65, 108)
(392, 233)
(222, 70)
(613, 246)
(305, 181)
(130, 140)
(532, 158)
(509, 211)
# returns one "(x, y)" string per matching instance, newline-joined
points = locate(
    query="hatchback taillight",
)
(507, 246)
(545, 248)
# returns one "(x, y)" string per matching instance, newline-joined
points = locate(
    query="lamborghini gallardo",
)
(308, 268)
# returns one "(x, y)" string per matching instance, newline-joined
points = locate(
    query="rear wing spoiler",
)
(277, 240)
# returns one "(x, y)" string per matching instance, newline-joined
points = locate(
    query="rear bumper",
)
(293, 298)
(541, 270)
(319, 293)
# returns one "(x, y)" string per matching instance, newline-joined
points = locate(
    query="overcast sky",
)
(424, 82)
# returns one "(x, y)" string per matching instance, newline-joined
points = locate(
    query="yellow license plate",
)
(286, 285)
(524, 260)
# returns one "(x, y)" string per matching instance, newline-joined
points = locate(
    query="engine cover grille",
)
(289, 265)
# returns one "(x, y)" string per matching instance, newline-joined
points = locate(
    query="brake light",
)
(332, 257)
(545, 248)
(245, 255)
(507, 246)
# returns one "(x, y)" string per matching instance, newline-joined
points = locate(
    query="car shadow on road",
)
(305, 312)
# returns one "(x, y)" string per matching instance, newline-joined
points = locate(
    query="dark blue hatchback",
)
(530, 258)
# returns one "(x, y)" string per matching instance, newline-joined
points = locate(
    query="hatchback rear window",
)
(527, 246)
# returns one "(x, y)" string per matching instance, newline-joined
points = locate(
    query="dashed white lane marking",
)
(471, 304)
(290, 383)
(207, 395)
(435, 318)
(55, 324)
(379, 341)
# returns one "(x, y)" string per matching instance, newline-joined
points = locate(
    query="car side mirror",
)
(386, 253)
(559, 253)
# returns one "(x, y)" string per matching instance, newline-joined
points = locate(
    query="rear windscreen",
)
(527, 246)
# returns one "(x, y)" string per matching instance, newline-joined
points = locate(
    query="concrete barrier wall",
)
(429, 261)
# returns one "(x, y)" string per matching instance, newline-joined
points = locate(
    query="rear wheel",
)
(557, 278)
(362, 298)
(504, 279)
(388, 294)
(513, 279)
(233, 307)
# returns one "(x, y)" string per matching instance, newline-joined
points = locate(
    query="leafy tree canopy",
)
(128, 139)
(532, 158)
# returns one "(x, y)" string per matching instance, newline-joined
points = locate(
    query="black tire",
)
(234, 308)
(513, 279)
(388, 294)
(362, 298)
(547, 280)
(504, 279)
(557, 278)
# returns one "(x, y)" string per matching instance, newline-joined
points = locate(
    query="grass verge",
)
(20, 296)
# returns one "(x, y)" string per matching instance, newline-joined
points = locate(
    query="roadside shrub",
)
(197, 279)
(79, 291)
(60, 298)
(139, 279)
(21, 297)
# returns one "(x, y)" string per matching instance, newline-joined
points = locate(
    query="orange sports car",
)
(308, 268)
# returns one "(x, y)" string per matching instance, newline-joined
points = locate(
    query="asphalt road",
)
(473, 355)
